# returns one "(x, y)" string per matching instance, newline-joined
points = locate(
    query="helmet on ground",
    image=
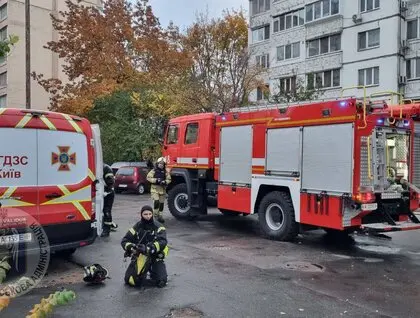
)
(95, 273)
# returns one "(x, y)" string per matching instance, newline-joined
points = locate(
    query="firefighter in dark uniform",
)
(146, 244)
(109, 179)
(159, 179)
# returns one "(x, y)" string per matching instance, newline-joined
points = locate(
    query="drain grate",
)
(303, 267)
(186, 312)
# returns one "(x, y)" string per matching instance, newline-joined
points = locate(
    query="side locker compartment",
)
(327, 174)
(415, 204)
(234, 190)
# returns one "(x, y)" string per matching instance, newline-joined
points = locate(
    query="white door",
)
(99, 200)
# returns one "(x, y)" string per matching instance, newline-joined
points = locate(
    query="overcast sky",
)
(182, 12)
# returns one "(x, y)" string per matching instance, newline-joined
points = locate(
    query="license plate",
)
(123, 186)
(16, 238)
(369, 206)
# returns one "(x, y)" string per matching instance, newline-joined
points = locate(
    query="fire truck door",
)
(171, 145)
(63, 178)
(190, 145)
(18, 170)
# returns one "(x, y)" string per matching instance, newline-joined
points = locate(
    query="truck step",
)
(386, 227)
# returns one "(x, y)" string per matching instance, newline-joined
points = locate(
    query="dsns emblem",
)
(63, 158)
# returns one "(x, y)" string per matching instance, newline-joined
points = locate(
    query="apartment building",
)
(12, 68)
(336, 44)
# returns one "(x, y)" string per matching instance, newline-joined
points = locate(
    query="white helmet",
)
(161, 159)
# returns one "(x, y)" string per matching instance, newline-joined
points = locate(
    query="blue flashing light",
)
(406, 123)
(343, 104)
(380, 121)
(223, 117)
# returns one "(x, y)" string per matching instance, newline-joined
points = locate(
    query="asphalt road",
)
(221, 267)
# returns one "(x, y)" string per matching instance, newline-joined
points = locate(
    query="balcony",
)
(324, 26)
(324, 62)
(260, 19)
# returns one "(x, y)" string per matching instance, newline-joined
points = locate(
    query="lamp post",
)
(28, 51)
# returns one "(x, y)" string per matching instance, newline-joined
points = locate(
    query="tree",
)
(120, 47)
(6, 45)
(124, 136)
(298, 91)
(221, 76)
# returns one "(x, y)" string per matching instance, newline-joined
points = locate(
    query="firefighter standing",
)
(159, 178)
(109, 179)
(146, 243)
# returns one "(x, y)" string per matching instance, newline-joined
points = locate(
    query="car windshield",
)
(125, 172)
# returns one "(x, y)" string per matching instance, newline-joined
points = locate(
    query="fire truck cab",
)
(51, 171)
(341, 165)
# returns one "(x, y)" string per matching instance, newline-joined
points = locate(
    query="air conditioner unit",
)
(404, 5)
(357, 18)
(402, 80)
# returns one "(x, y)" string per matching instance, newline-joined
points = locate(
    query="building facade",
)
(12, 68)
(337, 44)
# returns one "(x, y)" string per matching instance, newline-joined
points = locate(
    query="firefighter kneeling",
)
(146, 244)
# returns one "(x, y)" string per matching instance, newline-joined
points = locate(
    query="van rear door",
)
(99, 193)
(18, 170)
(64, 184)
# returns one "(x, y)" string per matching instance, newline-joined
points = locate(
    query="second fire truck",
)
(339, 165)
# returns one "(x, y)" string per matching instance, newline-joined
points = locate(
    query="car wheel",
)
(141, 189)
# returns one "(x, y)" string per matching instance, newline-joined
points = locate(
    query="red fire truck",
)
(51, 169)
(340, 165)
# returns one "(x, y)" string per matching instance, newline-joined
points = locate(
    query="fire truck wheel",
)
(277, 217)
(178, 201)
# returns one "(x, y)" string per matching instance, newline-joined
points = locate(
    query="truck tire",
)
(276, 217)
(178, 200)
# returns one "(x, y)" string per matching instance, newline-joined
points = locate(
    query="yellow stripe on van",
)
(2, 110)
(8, 192)
(73, 123)
(64, 189)
(91, 175)
(24, 121)
(82, 210)
(47, 122)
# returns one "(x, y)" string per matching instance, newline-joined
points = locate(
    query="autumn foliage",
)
(122, 47)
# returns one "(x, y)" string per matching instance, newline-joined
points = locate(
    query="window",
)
(125, 171)
(263, 60)
(289, 51)
(324, 45)
(263, 92)
(172, 137)
(259, 6)
(412, 29)
(3, 79)
(321, 9)
(3, 11)
(3, 101)
(413, 68)
(261, 34)
(287, 84)
(368, 5)
(191, 134)
(3, 34)
(324, 79)
(369, 39)
(369, 76)
(289, 20)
